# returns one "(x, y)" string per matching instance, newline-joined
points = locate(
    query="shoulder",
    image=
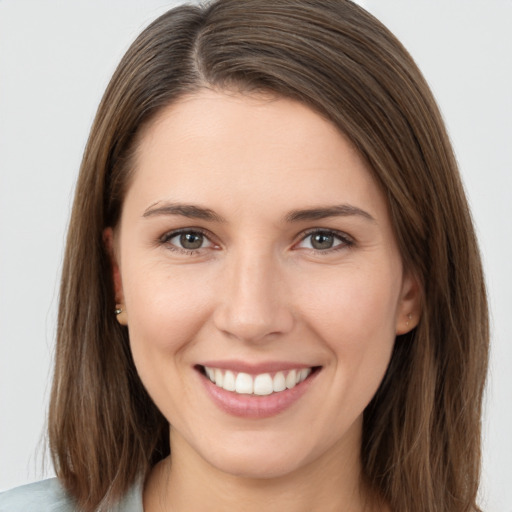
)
(46, 495)
(49, 496)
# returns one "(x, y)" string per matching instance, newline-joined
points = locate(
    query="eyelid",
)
(346, 240)
(169, 235)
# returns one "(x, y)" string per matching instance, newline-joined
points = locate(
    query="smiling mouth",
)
(262, 384)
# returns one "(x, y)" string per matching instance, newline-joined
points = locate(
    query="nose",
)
(253, 304)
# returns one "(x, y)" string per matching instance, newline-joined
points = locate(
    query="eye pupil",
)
(322, 240)
(191, 240)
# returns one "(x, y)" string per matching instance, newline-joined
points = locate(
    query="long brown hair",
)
(421, 434)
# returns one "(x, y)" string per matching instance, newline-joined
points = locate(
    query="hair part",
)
(421, 434)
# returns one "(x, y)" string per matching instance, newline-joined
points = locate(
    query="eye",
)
(190, 240)
(324, 240)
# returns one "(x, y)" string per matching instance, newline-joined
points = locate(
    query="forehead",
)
(245, 121)
(231, 148)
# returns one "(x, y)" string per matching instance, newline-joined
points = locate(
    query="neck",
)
(189, 483)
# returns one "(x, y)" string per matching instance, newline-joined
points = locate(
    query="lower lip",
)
(254, 406)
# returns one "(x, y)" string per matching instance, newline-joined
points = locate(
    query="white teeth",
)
(243, 384)
(291, 379)
(279, 383)
(211, 373)
(229, 381)
(219, 377)
(306, 373)
(303, 374)
(262, 384)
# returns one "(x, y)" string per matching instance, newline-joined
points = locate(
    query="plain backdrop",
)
(56, 58)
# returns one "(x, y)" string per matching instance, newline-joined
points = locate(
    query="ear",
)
(120, 309)
(409, 307)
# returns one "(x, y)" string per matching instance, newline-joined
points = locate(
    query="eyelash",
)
(346, 242)
(165, 240)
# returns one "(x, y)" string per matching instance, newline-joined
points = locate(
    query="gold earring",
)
(409, 317)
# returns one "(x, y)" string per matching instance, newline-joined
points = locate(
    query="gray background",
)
(56, 58)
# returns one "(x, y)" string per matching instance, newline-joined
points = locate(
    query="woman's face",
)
(255, 250)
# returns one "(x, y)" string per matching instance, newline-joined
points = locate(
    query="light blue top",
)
(49, 496)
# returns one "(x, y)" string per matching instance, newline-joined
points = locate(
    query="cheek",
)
(356, 329)
(353, 308)
(165, 309)
(354, 317)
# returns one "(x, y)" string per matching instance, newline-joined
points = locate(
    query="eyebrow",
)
(343, 210)
(185, 210)
(197, 212)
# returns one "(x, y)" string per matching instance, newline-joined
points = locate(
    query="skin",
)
(258, 290)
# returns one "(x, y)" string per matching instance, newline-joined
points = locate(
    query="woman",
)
(270, 251)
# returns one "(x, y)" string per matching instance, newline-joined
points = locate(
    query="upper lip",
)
(255, 368)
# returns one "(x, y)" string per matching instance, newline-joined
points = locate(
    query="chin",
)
(256, 466)
(258, 457)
